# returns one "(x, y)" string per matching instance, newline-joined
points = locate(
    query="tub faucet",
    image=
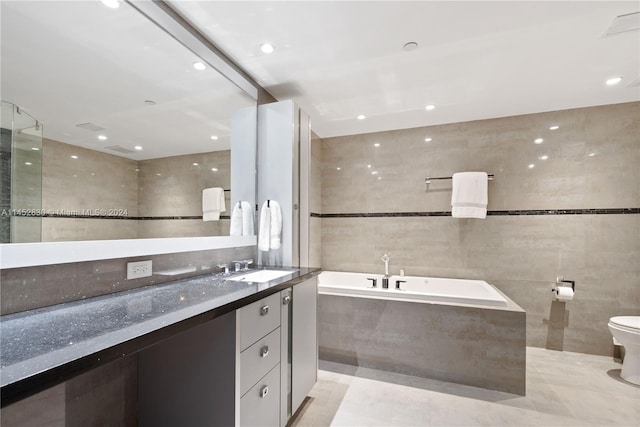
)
(385, 278)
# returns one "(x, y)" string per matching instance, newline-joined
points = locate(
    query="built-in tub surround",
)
(591, 163)
(435, 333)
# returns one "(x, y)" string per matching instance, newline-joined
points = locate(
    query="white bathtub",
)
(435, 289)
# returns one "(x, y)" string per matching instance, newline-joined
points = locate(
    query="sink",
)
(261, 276)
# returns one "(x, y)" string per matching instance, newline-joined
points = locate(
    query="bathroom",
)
(562, 202)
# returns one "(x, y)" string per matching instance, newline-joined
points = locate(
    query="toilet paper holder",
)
(560, 281)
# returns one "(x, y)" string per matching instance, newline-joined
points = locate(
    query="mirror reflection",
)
(111, 129)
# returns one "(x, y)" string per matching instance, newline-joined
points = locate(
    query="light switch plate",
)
(136, 270)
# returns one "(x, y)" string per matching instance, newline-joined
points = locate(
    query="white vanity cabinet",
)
(277, 360)
(304, 341)
(250, 367)
(258, 344)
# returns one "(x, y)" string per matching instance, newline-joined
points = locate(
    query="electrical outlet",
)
(138, 269)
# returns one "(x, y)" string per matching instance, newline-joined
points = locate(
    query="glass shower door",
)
(21, 176)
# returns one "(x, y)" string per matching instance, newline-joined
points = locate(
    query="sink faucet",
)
(224, 267)
(385, 278)
(242, 265)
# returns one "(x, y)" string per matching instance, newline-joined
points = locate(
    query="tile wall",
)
(567, 205)
(33, 287)
(167, 187)
(315, 204)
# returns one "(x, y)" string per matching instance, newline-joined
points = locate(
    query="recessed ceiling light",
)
(374, 172)
(28, 163)
(379, 177)
(361, 117)
(214, 137)
(35, 148)
(613, 81)
(267, 48)
(408, 47)
(102, 137)
(538, 140)
(158, 174)
(74, 156)
(377, 144)
(428, 140)
(543, 157)
(430, 107)
(591, 154)
(195, 164)
(531, 166)
(150, 102)
(554, 127)
(199, 66)
(137, 147)
(338, 168)
(113, 4)
(214, 169)
(369, 166)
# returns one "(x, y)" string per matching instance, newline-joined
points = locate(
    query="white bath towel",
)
(241, 220)
(269, 235)
(469, 197)
(212, 203)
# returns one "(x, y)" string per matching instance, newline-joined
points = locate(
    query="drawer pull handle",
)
(264, 351)
(264, 310)
(286, 300)
(264, 391)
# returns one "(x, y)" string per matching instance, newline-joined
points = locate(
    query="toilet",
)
(626, 332)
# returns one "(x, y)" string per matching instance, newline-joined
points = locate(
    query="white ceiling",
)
(67, 63)
(475, 60)
(71, 62)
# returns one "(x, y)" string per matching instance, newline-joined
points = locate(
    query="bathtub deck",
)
(481, 347)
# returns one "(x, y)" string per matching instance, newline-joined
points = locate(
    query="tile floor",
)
(563, 389)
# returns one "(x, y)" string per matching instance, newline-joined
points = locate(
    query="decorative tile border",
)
(131, 218)
(613, 211)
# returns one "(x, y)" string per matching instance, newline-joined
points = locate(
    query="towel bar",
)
(428, 179)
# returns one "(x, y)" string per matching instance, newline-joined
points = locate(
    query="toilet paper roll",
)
(564, 293)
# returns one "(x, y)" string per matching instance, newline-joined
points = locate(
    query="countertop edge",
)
(16, 391)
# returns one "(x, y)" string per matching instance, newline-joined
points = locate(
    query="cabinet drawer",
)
(258, 319)
(259, 359)
(261, 405)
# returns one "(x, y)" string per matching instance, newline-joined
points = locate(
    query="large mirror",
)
(112, 129)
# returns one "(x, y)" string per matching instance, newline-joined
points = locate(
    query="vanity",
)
(209, 351)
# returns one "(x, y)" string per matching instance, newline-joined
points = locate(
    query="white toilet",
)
(626, 332)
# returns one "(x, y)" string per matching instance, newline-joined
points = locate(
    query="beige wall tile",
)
(173, 185)
(521, 255)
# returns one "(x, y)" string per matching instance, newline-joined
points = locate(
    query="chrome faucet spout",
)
(385, 280)
(385, 258)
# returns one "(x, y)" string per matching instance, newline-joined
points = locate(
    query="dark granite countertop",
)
(43, 347)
